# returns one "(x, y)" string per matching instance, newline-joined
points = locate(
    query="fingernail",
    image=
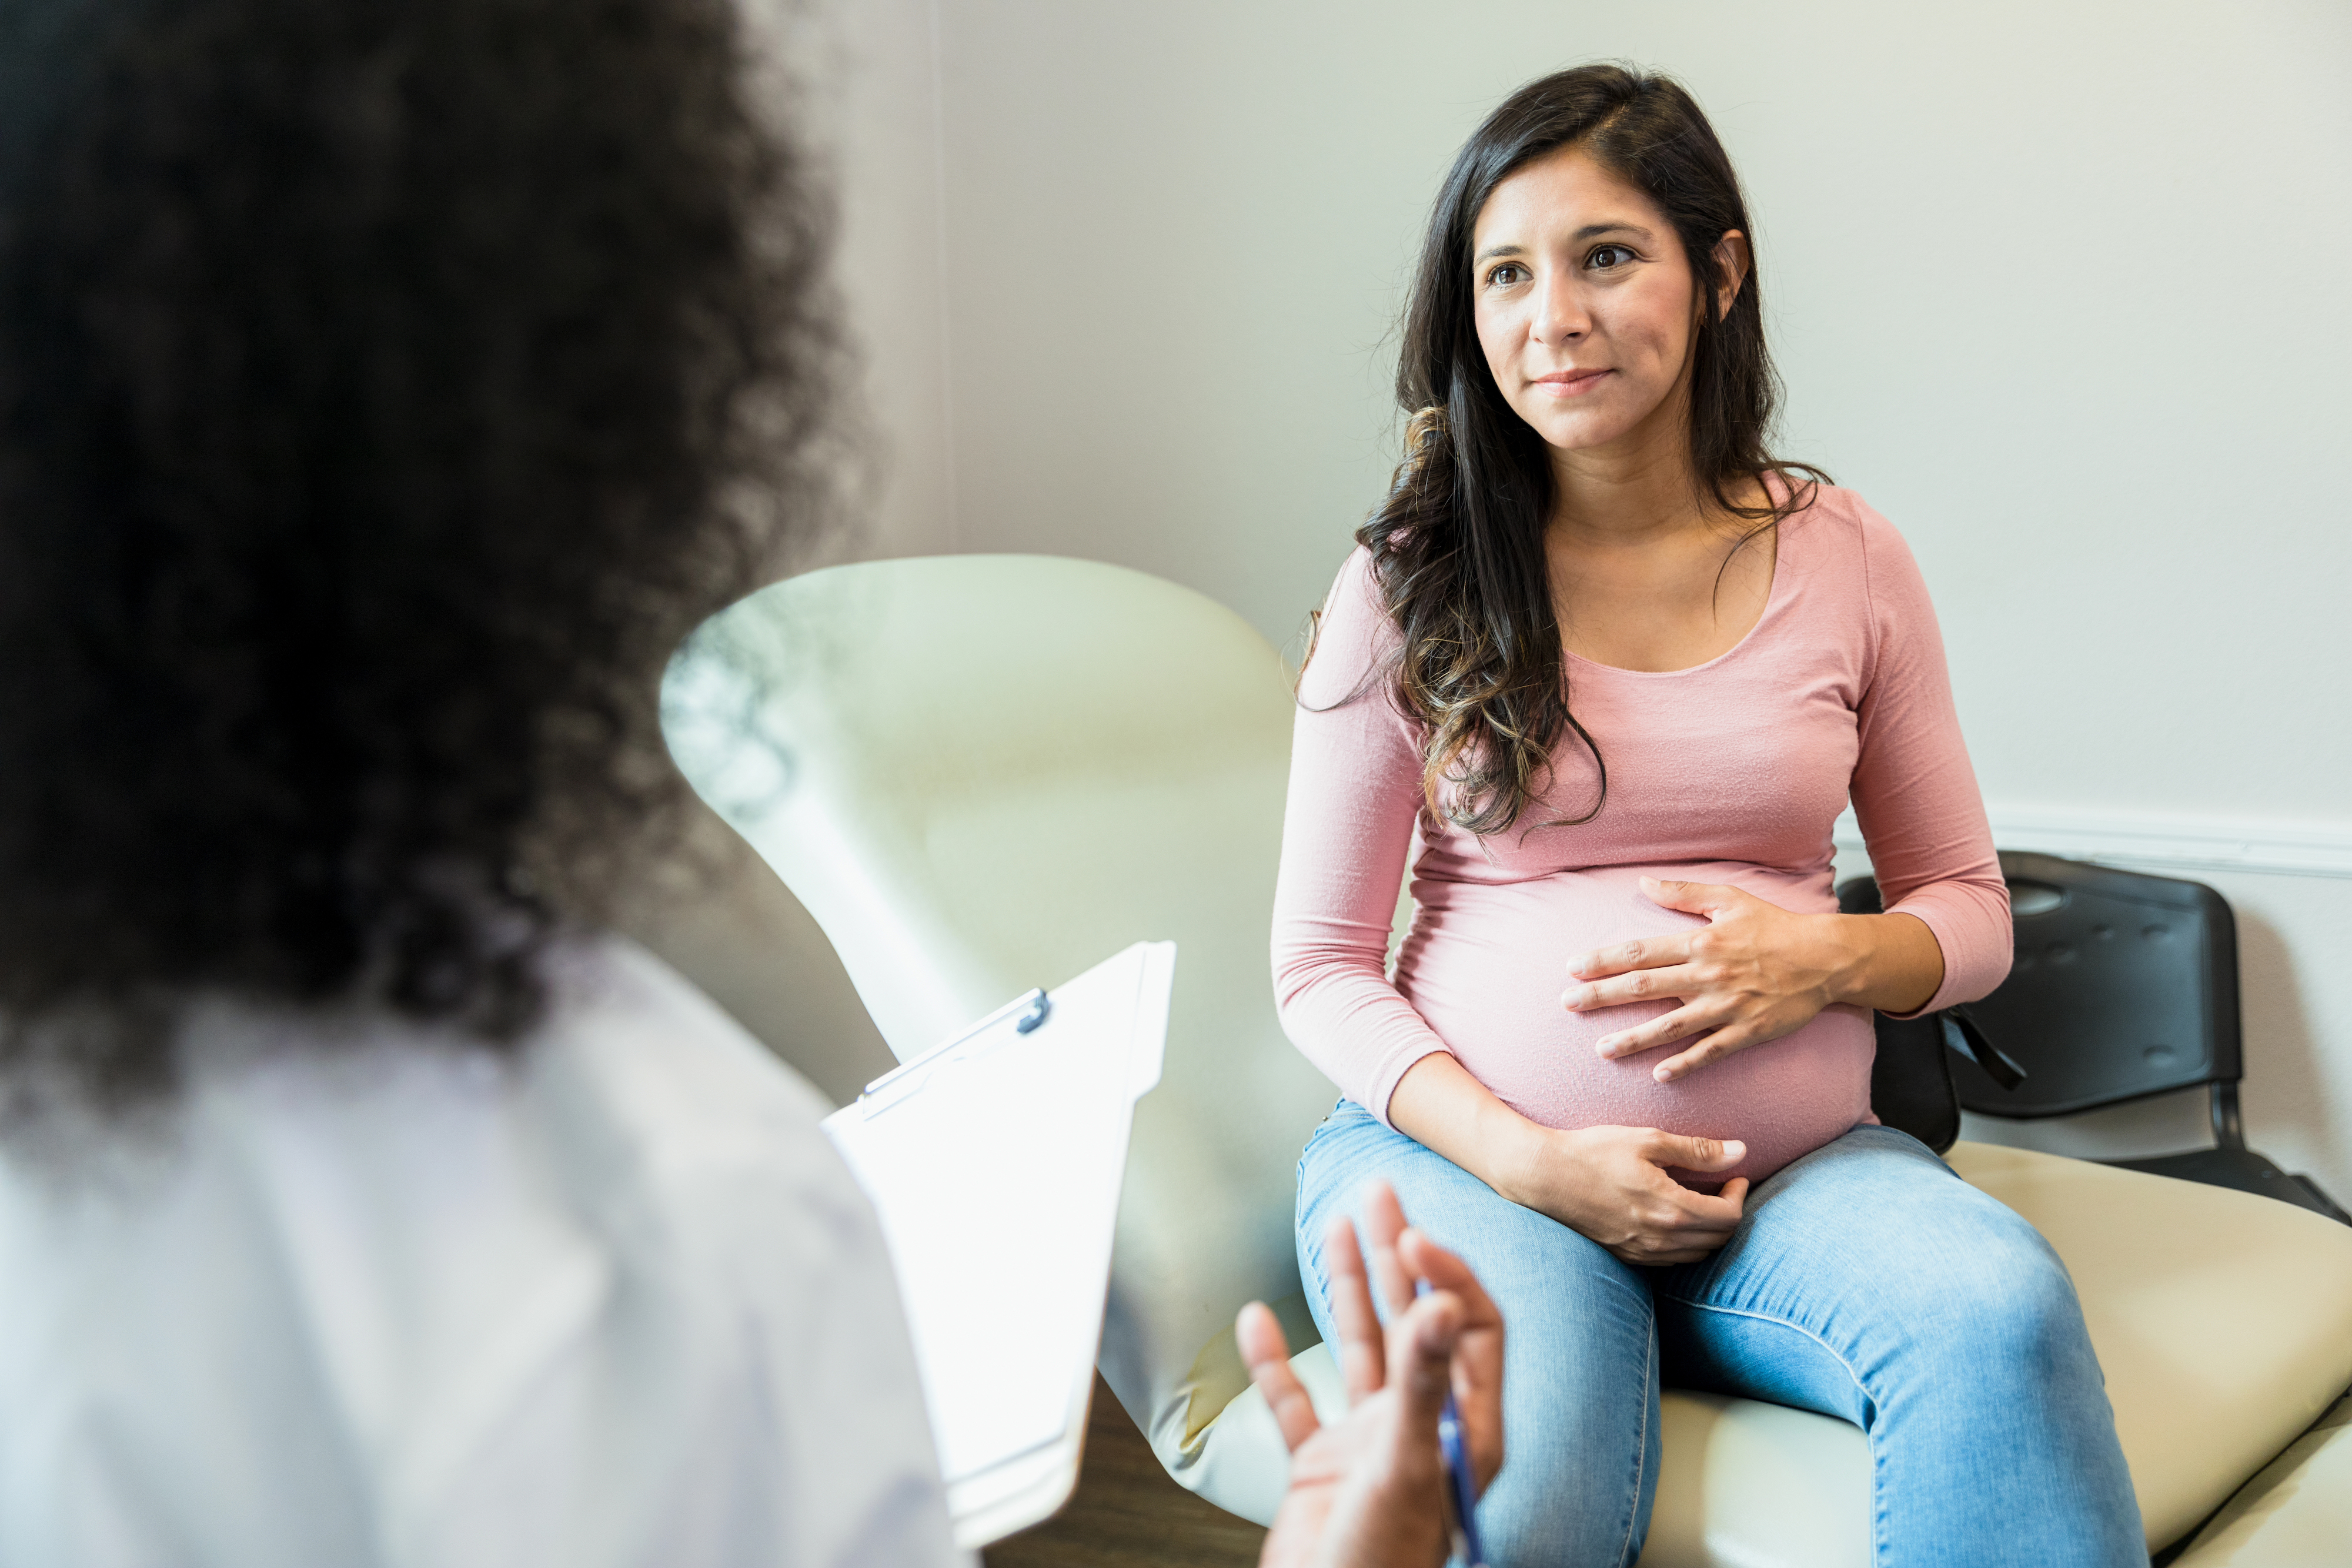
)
(1663, 1074)
(1606, 1045)
(1576, 996)
(1735, 1149)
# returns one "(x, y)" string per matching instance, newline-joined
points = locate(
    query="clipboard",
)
(994, 1162)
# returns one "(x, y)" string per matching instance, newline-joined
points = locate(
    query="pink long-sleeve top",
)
(1732, 771)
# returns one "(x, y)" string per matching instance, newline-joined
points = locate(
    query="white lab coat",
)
(392, 1301)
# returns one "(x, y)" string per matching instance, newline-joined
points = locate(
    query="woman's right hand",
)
(1610, 1184)
(1606, 1182)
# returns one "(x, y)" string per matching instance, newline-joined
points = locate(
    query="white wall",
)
(2056, 288)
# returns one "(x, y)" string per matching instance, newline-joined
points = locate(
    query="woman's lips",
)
(1570, 383)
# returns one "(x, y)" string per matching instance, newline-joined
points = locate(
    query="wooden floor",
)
(1127, 1514)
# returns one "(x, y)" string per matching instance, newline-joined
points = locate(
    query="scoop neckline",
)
(1772, 597)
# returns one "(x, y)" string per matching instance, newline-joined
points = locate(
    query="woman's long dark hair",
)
(386, 386)
(1457, 548)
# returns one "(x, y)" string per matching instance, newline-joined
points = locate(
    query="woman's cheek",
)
(1494, 342)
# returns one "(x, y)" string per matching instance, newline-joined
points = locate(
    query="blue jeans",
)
(1866, 1283)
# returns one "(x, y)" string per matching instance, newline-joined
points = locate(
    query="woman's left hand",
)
(1753, 973)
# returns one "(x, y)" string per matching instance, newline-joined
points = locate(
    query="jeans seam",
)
(1844, 1365)
(1641, 1452)
(1878, 1546)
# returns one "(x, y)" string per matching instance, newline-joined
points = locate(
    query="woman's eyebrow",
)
(1590, 230)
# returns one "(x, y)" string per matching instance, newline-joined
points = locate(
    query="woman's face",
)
(1585, 305)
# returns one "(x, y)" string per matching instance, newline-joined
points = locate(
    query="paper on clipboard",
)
(994, 1162)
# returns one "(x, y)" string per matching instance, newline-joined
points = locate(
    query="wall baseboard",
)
(2187, 843)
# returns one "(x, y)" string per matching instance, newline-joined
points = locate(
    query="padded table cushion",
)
(2223, 1320)
(2297, 1513)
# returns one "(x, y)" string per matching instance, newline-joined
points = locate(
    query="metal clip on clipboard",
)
(1027, 1011)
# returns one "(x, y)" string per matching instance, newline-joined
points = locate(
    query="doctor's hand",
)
(1753, 973)
(1371, 1491)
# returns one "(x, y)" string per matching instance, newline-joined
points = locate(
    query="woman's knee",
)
(1876, 1246)
(2016, 1303)
(1992, 1298)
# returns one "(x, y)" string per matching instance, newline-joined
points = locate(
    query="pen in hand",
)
(1460, 1484)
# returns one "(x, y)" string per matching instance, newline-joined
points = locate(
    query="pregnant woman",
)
(1606, 672)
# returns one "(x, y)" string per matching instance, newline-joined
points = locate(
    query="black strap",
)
(1961, 1033)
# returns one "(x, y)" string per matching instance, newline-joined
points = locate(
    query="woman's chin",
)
(1618, 421)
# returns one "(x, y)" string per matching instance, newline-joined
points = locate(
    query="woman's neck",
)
(1614, 500)
(1639, 488)
(1647, 572)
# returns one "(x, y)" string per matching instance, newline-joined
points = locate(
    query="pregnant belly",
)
(1486, 967)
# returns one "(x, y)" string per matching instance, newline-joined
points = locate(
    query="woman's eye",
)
(1506, 275)
(1609, 256)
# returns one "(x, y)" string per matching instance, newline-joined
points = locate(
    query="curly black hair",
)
(385, 387)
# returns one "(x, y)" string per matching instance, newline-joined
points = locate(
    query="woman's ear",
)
(1731, 270)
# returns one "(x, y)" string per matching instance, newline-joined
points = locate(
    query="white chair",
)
(986, 773)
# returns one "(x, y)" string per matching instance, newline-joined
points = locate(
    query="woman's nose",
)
(1561, 316)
